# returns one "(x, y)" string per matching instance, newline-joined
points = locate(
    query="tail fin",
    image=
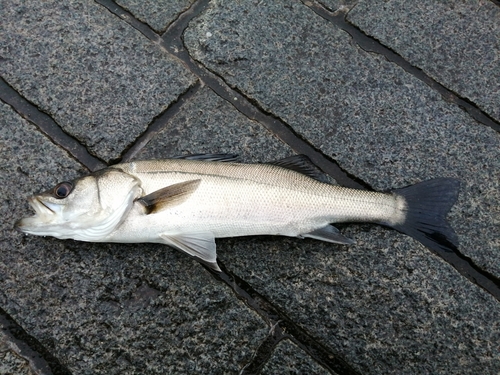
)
(427, 205)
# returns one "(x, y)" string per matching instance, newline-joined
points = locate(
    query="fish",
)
(187, 202)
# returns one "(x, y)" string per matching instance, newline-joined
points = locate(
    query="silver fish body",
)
(187, 203)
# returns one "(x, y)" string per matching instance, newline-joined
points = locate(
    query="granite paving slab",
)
(208, 124)
(457, 43)
(378, 122)
(157, 14)
(110, 309)
(21, 354)
(10, 363)
(99, 78)
(290, 359)
(383, 305)
(338, 5)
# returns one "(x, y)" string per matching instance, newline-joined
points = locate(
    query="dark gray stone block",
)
(110, 309)
(100, 79)
(287, 358)
(380, 123)
(387, 304)
(383, 305)
(159, 13)
(208, 124)
(457, 43)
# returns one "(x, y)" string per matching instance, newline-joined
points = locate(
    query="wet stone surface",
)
(457, 43)
(159, 13)
(95, 75)
(336, 5)
(385, 305)
(110, 309)
(208, 124)
(380, 123)
(290, 359)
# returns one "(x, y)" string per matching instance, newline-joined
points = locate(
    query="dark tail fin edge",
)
(428, 203)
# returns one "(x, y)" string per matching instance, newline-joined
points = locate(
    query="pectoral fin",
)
(168, 196)
(199, 245)
(328, 234)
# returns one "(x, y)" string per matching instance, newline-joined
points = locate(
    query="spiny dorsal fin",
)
(168, 196)
(301, 164)
(210, 157)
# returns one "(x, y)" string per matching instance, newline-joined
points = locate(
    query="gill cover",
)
(87, 209)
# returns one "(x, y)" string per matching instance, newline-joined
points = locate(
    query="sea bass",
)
(188, 202)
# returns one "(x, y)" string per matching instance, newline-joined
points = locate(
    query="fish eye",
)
(62, 190)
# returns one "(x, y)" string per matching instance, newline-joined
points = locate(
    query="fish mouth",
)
(43, 212)
(40, 207)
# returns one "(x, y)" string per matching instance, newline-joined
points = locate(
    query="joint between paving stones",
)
(49, 127)
(159, 121)
(281, 327)
(157, 124)
(372, 45)
(40, 360)
(264, 351)
(172, 41)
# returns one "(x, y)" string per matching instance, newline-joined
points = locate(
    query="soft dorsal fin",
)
(168, 196)
(328, 234)
(210, 157)
(301, 164)
(199, 245)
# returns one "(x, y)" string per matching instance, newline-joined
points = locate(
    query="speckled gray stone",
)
(288, 359)
(100, 79)
(208, 124)
(18, 356)
(158, 14)
(380, 123)
(11, 363)
(109, 309)
(338, 5)
(457, 43)
(387, 304)
(384, 305)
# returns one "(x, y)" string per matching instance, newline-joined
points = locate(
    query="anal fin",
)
(328, 234)
(199, 245)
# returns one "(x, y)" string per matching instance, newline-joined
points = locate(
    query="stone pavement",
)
(379, 94)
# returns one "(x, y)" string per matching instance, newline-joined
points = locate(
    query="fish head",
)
(86, 209)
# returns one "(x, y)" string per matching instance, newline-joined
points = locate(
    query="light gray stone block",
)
(100, 79)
